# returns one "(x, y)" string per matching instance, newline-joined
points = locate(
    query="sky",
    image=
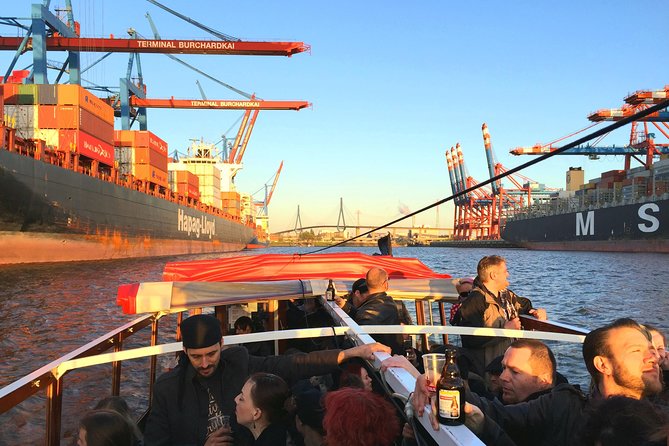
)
(393, 86)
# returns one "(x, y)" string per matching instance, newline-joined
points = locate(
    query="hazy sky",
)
(393, 85)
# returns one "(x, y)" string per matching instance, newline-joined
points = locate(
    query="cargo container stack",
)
(185, 183)
(246, 207)
(210, 182)
(231, 204)
(68, 118)
(143, 155)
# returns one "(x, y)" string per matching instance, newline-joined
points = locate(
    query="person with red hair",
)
(357, 416)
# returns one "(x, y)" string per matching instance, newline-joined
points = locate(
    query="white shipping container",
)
(23, 118)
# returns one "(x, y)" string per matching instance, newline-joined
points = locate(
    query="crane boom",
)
(247, 135)
(648, 96)
(586, 150)
(218, 104)
(112, 45)
(238, 138)
(276, 179)
(616, 114)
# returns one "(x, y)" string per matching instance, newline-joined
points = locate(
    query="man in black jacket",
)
(376, 308)
(621, 361)
(189, 401)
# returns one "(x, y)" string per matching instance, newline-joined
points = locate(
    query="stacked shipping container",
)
(185, 183)
(66, 117)
(142, 154)
(230, 203)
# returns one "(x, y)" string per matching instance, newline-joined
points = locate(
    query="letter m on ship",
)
(586, 227)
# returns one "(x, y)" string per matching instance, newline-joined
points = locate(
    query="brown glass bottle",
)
(450, 393)
(330, 291)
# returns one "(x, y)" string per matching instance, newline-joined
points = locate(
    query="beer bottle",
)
(450, 393)
(330, 291)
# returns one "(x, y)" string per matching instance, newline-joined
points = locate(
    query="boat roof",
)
(243, 279)
(273, 267)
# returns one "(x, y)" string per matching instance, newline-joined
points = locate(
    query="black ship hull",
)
(50, 214)
(639, 227)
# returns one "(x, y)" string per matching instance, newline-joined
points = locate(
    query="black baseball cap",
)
(359, 285)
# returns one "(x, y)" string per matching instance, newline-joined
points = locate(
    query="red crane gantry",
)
(114, 45)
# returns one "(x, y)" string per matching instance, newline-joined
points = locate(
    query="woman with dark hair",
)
(105, 427)
(355, 375)
(119, 405)
(261, 408)
(359, 417)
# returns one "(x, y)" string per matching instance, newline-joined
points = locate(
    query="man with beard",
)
(621, 361)
(191, 402)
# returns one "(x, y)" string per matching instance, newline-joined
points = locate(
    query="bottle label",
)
(449, 404)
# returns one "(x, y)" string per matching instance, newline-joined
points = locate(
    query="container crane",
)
(472, 214)
(48, 32)
(269, 192)
(642, 145)
(506, 200)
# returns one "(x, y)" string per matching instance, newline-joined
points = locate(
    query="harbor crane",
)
(641, 147)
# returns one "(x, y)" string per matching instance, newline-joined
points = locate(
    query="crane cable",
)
(635, 117)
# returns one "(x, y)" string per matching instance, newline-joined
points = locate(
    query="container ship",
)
(73, 188)
(623, 210)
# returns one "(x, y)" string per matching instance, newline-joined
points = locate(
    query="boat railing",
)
(49, 378)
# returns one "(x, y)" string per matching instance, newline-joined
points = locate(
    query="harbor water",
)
(47, 311)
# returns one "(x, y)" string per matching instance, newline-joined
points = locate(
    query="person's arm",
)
(305, 365)
(345, 304)
(526, 307)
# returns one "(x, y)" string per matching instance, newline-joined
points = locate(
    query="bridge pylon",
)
(298, 221)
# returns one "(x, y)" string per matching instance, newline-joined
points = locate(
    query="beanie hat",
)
(200, 331)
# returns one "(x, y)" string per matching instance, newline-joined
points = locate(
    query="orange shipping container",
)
(47, 117)
(139, 138)
(186, 177)
(144, 155)
(150, 173)
(87, 145)
(69, 94)
(10, 93)
(77, 118)
(230, 196)
(148, 139)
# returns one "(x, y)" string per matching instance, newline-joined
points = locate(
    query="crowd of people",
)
(231, 395)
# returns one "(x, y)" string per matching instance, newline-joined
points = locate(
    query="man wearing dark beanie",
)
(191, 401)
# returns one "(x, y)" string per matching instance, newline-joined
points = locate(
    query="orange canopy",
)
(270, 267)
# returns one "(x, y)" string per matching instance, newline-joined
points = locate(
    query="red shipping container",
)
(87, 145)
(144, 155)
(188, 190)
(144, 138)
